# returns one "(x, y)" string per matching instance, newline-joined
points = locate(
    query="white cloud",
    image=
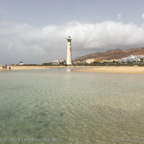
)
(39, 44)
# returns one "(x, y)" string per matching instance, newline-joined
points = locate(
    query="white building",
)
(89, 61)
(136, 58)
(21, 63)
(57, 62)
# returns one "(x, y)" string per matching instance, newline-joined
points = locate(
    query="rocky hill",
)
(113, 54)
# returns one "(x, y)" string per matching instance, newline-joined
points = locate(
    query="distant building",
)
(136, 58)
(89, 61)
(57, 62)
(21, 63)
(109, 61)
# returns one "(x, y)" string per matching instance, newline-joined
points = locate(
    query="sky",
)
(35, 31)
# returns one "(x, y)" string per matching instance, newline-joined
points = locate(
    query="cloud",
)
(31, 44)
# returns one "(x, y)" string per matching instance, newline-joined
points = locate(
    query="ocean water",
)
(65, 107)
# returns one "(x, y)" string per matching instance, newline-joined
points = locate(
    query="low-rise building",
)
(132, 58)
(57, 62)
(20, 63)
(89, 61)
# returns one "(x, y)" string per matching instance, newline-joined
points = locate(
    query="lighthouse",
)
(69, 51)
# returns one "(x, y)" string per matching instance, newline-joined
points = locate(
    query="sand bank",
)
(26, 67)
(100, 69)
(113, 69)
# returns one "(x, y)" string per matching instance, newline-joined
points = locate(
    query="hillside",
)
(113, 54)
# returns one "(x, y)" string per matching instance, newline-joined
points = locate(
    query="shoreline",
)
(96, 69)
(27, 68)
(113, 69)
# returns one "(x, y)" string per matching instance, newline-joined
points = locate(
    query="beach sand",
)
(113, 69)
(26, 67)
(100, 69)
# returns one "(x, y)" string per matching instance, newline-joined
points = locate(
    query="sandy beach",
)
(26, 67)
(99, 69)
(113, 69)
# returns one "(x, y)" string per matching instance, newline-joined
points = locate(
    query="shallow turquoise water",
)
(71, 107)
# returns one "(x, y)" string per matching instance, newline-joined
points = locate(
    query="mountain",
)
(113, 54)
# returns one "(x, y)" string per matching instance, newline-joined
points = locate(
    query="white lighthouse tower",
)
(69, 52)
